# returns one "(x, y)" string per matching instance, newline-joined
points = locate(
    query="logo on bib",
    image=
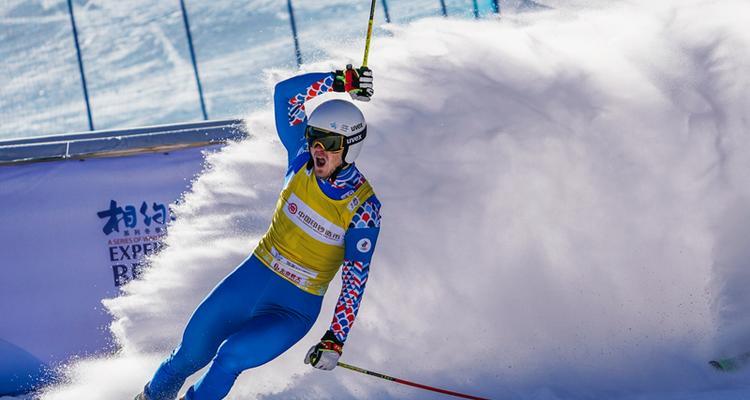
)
(353, 204)
(314, 224)
(364, 245)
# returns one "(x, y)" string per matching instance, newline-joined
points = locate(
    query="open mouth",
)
(320, 162)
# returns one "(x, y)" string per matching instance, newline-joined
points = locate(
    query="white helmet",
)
(344, 118)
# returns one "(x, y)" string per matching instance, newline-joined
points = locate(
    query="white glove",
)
(326, 353)
(365, 89)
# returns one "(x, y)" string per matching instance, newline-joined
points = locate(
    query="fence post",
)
(80, 65)
(192, 57)
(443, 8)
(387, 14)
(297, 51)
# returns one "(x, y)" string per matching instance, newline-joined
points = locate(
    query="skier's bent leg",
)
(223, 312)
(261, 340)
(171, 375)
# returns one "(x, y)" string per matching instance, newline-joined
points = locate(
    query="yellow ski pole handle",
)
(369, 33)
(405, 382)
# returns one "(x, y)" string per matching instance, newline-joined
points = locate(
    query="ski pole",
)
(369, 33)
(405, 382)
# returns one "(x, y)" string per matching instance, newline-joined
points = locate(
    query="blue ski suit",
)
(261, 309)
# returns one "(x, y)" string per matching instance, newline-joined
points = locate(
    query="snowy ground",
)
(565, 201)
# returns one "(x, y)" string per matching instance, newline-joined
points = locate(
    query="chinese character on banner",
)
(129, 217)
(115, 214)
(161, 213)
(146, 217)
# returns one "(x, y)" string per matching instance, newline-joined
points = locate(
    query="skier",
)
(327, 216)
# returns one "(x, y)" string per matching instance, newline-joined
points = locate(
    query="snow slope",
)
(565, 201)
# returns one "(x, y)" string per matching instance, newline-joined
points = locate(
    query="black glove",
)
(326, 353)
(356, 82)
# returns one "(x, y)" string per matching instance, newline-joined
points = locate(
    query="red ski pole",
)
(405, 382)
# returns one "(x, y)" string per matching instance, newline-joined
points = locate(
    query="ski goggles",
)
(331, 141)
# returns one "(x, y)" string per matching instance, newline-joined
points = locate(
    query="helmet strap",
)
(343, 165)
(336, 171)
(344, 153)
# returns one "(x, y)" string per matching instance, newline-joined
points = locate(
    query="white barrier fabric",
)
(71, 233)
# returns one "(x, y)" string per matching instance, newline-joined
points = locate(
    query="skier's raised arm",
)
(289, 99)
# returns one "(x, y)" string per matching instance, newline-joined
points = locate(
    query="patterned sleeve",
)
(360, 242)
(289, 107)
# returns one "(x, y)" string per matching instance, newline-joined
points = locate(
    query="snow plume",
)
(565, 215)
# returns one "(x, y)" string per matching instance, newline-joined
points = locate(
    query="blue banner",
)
(73, 233)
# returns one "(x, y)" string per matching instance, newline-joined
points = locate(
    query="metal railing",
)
(120, 142)
(465, 7)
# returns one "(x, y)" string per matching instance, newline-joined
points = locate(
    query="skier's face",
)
(325, 162)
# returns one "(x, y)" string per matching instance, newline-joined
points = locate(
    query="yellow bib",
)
(305, 243)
